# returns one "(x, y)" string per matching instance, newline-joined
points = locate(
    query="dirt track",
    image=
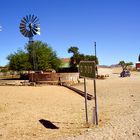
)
(22, 108)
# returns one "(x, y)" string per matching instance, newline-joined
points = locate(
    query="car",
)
(125, 73)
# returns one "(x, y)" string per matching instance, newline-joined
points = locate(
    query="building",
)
(65, 62)
(138, 64)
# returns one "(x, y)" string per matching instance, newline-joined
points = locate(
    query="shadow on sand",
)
(48, 124)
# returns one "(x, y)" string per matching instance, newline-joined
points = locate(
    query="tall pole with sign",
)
(87, 69)
(95, 57)
(95, 115)
(95, 48)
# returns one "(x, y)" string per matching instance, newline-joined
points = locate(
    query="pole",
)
(96, 115)
(95, 109)
(95, 47)
(85, 101)
(34, 63)
(95, 57)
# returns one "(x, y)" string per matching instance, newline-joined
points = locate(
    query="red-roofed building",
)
(65, 62)
(138, 64)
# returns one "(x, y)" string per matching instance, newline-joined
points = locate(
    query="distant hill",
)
(115, 65)
(111, 66)
(103, 66)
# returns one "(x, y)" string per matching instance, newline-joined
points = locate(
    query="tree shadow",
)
(48, 124)
(10, 79)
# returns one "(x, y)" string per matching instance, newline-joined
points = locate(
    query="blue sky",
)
(113, 24)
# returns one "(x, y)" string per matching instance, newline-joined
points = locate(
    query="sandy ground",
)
(23, 108)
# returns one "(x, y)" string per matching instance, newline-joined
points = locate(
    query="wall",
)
(63, 77)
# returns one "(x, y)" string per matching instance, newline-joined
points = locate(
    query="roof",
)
(65, 62)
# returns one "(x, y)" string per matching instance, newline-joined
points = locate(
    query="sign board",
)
(87, 69)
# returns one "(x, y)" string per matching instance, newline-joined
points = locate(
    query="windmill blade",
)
(32, 18)
(26, 33)
(22, 25)
(34, 32)
(36, 21)
(23, 22)
(22, 29)
(37, 30)
(36, 26)
(25, 19)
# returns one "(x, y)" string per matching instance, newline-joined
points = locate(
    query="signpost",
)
(87, 69)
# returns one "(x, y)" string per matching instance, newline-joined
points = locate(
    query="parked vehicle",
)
(125, 73)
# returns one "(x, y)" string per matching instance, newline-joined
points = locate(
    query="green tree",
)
(19, 61)
(73, 50)
(37, 56)
(124, 65)
(91, 58)
(42, 57)
(77, 57)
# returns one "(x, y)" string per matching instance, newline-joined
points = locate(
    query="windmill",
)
(30, 26)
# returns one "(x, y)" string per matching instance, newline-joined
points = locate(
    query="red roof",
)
(65, 60)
